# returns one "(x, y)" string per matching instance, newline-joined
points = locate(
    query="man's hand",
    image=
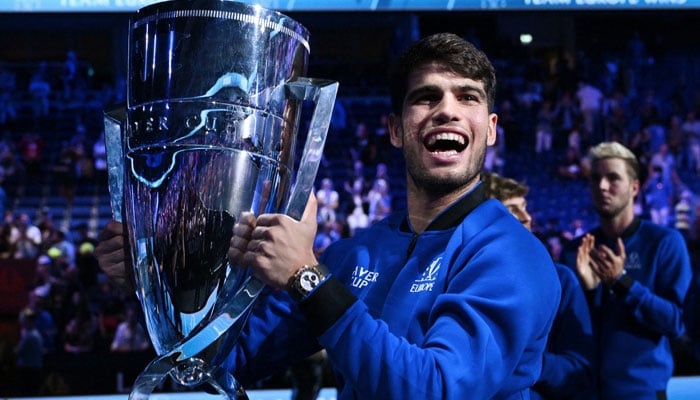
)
(607, 264)
(275, 246)
(113, 255)
(584, 269)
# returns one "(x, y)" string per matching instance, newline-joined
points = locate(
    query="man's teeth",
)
(444, 152)
(446, 136)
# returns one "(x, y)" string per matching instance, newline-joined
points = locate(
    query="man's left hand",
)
(607, 264)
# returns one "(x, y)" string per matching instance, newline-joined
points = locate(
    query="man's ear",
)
(395, 130)
(493, 129)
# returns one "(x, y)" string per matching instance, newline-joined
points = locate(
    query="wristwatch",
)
(305, 280)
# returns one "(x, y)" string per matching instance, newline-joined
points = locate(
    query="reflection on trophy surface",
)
(214, 99)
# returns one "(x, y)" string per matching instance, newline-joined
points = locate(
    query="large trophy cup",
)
(214, 99)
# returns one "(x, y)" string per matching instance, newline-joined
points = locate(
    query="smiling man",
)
(449, 299)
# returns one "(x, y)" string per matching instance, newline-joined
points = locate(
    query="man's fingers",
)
(311, 209)
(621, 248)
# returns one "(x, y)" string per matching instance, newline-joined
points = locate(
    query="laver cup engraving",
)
(210, 127)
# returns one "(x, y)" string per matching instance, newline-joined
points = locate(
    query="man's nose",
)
(446, 109)
(603, 184)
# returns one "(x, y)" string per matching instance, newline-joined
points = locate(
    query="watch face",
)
(308, 280)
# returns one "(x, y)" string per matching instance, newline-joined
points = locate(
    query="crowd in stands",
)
(547, 122)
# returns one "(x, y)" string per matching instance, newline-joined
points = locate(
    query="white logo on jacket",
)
(633, 261)
(362, 277)
(426, 282)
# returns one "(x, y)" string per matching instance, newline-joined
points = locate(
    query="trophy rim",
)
(255, 14)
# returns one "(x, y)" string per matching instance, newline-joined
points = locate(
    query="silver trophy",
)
(214, 99)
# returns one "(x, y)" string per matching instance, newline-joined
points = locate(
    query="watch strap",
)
(622, 285)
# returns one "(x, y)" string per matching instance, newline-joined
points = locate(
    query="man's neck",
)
(423, 206)
(615, 226)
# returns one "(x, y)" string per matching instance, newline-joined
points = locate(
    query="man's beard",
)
(611, 213)
(442, 185)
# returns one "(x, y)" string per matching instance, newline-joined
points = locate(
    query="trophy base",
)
(190, 373)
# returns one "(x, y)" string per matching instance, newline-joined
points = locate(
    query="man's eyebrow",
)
(420, 90)
(428, 89)
(472, 88)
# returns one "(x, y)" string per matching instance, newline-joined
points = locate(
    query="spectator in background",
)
(25, 237)
(658, 196)
(48, 277)
(566, 118)
(328, 233)
(379, 200)
(99, 157)
(691, 131)
(109, 304)
(82, 150)
(634, 62)
(664, 162)
(70, 75)
(575, 230)
(381, 171)
(654, 127)
(65, 171)
(544, 129)
(357, 219)
(8, 158)
(590, 102)
(328, 201)
(30, 355)
(684, 214)
(43, 319)
(40, 90)
(8, 108)
(31, 153)
(571, 167)
(45, 222)
(7, 249)
(81, 329)
(130, 335)
(62, 245)
(365, 148)
(382, 138)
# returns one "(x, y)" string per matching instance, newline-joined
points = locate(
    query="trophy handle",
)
(322, 92)
(113, 123)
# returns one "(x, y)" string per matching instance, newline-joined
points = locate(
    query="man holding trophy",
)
(450, 299)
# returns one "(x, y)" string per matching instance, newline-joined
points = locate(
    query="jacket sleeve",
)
(660, 308)
(275, 336)
(566, 369)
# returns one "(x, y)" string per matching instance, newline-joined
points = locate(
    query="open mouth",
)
(445, 143)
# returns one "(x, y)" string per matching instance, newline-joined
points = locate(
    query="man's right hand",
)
(586, 275)
(114, 257)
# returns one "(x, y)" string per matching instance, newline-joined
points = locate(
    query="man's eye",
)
(427, 98)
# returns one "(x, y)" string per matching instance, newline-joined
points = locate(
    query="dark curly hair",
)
(448, 49)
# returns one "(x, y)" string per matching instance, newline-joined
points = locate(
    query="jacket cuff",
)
(326, 304)
(622, 285)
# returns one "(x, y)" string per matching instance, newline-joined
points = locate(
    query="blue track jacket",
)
(461, 311)
(634, 321)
